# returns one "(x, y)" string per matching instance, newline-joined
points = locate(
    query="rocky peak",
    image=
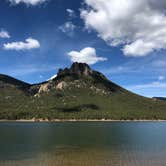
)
(76, 68)
(80, 69)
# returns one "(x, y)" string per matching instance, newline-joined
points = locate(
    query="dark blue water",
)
(83, 143)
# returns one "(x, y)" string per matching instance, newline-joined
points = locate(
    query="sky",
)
(123, 39)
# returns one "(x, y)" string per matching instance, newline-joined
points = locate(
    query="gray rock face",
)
(81, 69)
(76, 68)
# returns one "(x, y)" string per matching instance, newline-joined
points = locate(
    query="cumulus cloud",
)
(29, 44)
(4, 34)
(71, 13)
(27, 2)
(86, 55)
(138, 26)
(160, 78)
(68, 28)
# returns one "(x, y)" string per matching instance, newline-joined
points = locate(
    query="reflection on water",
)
(83, 144)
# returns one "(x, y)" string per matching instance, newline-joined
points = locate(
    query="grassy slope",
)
(79, 103)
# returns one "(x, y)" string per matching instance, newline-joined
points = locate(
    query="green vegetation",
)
(76, 96)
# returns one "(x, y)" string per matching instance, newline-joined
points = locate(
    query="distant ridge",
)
(7, 80)
(160, 98)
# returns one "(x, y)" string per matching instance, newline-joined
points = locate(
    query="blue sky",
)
(37, 37)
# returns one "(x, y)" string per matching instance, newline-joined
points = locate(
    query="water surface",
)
(83, 144)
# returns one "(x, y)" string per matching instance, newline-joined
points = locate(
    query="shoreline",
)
(80, 120)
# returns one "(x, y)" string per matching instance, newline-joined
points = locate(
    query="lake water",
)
(83, 144)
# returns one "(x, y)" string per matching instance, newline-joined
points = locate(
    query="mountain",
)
(10, 81)
(77, 92)
(160, 98)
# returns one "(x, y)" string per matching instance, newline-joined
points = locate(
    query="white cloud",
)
(71, 13)
(150, 85)
(28, 2)
(86, 55)
(68, 27)
(160, 78)
(4, 34)
(51, 78)
(29, 44)
(40, 76)
(160, 63)
(149, 89)
(138, 48)
(140, 26)
(28, 69)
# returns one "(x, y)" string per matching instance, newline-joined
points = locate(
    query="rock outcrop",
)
(44, 88)
(80, 69)
(61, 85)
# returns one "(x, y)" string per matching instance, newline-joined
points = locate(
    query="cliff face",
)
(79, 69)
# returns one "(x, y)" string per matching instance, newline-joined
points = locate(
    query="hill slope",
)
(76, 93)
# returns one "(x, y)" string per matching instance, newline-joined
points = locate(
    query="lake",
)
(83, 144)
